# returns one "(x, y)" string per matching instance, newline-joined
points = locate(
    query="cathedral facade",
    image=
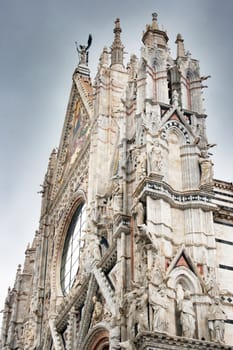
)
(134, 248)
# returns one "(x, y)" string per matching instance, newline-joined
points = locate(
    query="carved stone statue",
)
(117, 196)
(29, 336)
(155, 274)
(141, 164)
(137, 301)
(98, 311)
(142, 310)
(187, 315)
(131, 305)
(139, 212)
(93, 246)
(206, 166)
(159, 303)
(155, 158)
(83, 51)
(216, 317)
(90, 252)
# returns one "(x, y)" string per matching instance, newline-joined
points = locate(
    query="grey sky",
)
(37, 59)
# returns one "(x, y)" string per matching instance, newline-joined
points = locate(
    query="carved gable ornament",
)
(175, 118)
(183, 270)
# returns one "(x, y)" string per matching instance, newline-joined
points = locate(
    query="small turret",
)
(153, 35)
(117, 48)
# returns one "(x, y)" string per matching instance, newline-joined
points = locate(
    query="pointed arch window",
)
(71, 252)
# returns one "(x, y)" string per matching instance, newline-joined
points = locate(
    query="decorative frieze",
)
(157, 341)
(181, 200)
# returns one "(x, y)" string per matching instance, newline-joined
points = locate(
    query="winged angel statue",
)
(83, 51)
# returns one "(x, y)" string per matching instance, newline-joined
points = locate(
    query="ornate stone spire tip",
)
(154, 16)
(117, 25)
(154, 21)
(117, 48)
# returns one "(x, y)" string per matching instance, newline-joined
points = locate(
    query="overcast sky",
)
(37, 59)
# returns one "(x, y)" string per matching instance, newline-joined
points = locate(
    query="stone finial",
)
(103, 61)
(154, 21)
(180, 46)
(117, 26)
(117, 48)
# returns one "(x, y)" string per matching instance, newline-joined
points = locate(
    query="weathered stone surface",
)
(135, 241)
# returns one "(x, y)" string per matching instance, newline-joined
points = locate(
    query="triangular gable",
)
(183, 262)
(176, 114)
(182, 265)
(79, 129)
(76, 126)
(182, 258)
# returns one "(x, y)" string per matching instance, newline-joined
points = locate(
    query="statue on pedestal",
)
(187, 315)
(216, 318)
(155, 158)
(159, 303)
(83, 51)
(206, 166)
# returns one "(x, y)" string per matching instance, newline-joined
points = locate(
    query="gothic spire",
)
(117, 48)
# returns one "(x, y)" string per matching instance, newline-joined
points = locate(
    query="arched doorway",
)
(98, 340)
(102, 344)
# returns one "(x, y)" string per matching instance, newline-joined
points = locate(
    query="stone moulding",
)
(182, 200)
(178, 125)
(157, 341)
(98, 337)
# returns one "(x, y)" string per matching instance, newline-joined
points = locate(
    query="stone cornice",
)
(182, 200)
(224, 185)
(223, 214)
(156, 341)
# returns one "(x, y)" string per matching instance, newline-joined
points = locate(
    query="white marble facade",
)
(135, 244)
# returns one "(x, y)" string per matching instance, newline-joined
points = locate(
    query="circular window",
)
(71, 251)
